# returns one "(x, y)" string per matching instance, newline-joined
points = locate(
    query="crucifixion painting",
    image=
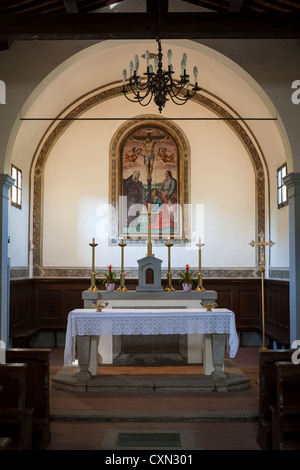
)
(150, 174)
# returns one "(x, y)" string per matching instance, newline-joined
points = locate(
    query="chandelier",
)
(157, 83)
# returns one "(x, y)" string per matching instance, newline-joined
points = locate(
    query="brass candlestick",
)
(93, 273)
(169, 275)
(200, 285)
(122, 287)
(261, 244)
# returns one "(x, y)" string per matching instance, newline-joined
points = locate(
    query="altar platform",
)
(205, 421)
(152, 380)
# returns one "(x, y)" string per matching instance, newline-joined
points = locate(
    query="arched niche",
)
(221, 111)
(183, 174)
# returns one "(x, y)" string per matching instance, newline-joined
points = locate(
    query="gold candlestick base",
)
(169, 285)
(122, 287)
(93, 287)
(200, 287)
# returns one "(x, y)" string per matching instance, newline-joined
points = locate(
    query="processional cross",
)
(261, 244)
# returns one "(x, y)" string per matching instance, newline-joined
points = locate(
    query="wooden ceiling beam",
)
(143, 26)
(236, 5)
(71, 6)
(155, 5)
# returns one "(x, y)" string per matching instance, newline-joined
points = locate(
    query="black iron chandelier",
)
(158, 83)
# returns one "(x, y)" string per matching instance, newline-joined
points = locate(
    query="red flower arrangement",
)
(186, 276)
(110, 277)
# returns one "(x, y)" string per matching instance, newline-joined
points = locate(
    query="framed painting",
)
(150, 184)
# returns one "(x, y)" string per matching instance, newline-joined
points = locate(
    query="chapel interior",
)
(214, 181)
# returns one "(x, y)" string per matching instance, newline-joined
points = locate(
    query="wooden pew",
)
(267, 394)
(16, 418)
(286, 410)
(37, 390)
(4, 441)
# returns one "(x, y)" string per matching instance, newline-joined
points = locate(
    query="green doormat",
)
(128, 439)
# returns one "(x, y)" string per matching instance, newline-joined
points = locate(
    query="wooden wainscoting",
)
(277, 317)
(45, 303)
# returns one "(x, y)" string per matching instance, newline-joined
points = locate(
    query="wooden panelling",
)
(21, 301)
(55, 298)
(277, 310)
(48, 302)
(242, 296)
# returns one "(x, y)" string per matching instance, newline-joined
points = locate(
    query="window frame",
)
(280, 187)
(17, 186)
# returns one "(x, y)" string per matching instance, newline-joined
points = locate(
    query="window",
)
(282, 196)
(16, 189)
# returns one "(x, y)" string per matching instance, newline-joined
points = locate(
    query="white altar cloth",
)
(145, 321)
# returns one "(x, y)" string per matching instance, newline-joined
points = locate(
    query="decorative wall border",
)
(279, 273)
(100, 96)
(132, 273)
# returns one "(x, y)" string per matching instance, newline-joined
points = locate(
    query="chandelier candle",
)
(158, 83)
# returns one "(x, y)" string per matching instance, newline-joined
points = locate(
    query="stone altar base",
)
(235, 379)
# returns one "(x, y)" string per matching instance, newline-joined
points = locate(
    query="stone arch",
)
(83, 104)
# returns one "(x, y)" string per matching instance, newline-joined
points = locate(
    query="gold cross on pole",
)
(261, 244)
(149, 228)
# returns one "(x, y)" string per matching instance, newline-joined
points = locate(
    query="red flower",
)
(109, 277)
(186, 276)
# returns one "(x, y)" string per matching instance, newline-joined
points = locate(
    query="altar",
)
(194, 348)
(108, 316)
(85, 325)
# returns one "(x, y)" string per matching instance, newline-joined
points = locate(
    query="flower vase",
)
(186, 287)
(110, 287)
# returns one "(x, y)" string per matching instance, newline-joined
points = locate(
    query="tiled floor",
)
(205, 421)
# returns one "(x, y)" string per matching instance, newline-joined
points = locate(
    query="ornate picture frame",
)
(149, 165)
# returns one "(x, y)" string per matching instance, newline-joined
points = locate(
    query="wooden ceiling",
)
(87, 6)
(83, 19)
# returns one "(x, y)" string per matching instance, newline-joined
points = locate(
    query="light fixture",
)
(158, 83)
